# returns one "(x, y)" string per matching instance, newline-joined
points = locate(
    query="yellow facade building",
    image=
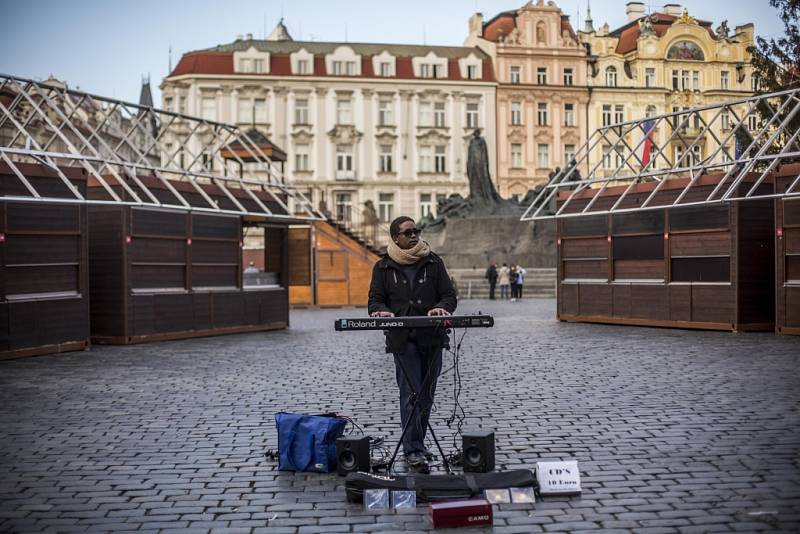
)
(660, 63)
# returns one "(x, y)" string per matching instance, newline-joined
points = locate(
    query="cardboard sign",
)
(558, 477)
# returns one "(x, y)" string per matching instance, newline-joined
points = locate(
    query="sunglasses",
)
(411, 232)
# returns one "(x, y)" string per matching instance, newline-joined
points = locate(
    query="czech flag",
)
(648, 126)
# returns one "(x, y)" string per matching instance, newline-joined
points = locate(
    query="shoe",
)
(417, 463)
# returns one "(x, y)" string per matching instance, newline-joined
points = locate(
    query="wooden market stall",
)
(44, 305)
(787, 249)
(709, 266)
(167, 273)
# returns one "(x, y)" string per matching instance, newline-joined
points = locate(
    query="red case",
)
(461, 513)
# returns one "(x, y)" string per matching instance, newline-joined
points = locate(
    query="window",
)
(385, 113)
(301, 158)
(440, 159)
(543, 156)
(425, 205)
(619, 113)
(344, 206)
(516, 113)
(344, 68)
(516, 155)
(302, 66)
(386, 207)
(425, 159)
(724, 80)
(541, 113)
(425, 71)
(301, 111)
(754, 82)
(752, 123)
(725, 120)
(258, 65)
(344, 162)
(472, 72)
(569, 114)
(208, 109)
(385, 158)
(385, 69)
(344, 112)
(687, 158)
(245, 65)
(168, 103)
(244, 110)
(607, 157)
(696, 80)
(260, 110)
(569, 154)
(611, 76)
(649, 77)
(472, 115)
(675, 80)
(568, 77)
(541, 75)
(606, 114)
(425, 114)
(684, 80)
(649, 112)
(515, 74)
(438, 114)
(181, 104)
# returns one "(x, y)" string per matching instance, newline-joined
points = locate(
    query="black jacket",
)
(389, 291)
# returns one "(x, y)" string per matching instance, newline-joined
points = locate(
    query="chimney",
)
(634, 10)
(239, 37)
(249, 36)
(673, 9)
(476, 25)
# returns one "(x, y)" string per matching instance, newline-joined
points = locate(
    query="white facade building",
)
(383, 123)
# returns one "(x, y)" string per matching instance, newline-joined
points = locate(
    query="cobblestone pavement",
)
(674, 431)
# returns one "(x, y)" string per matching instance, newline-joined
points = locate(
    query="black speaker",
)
(478, 452)
(352, 454)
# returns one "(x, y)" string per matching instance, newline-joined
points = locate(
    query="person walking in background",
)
(512, 281)
(491, 276)
(503, 279)
(520, 280)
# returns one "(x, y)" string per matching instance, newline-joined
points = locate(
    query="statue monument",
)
(487, 222)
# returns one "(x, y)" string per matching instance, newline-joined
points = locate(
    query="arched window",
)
(650, 112)
(611, 76)
(686, 50)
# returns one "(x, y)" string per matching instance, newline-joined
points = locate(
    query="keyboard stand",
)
(415, 406)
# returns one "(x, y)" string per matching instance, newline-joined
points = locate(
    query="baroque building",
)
(540, 67)
(659, 63)
(384, 123)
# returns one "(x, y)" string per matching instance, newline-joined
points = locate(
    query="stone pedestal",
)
(478, 241)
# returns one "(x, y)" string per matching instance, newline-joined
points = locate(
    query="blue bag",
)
(308, 442)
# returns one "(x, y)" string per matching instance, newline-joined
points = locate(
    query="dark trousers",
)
(423, 368)
(491, 289)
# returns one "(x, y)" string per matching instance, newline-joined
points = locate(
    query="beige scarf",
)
(408, 256)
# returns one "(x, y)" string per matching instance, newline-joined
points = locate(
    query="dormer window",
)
(343, 62)
(430, 66)
(383, 65)
(611, 76)
(470, 67)
(344, 68)
(386, 69)
(251, 61)
(302, 62)
(472, 72)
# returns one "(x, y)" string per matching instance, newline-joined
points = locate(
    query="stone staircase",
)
(470, 283)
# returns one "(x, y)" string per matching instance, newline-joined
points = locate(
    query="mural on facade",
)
(686, 50)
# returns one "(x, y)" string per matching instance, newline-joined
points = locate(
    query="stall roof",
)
(132, 154)
(741, 143)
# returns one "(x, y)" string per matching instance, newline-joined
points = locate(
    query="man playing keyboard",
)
(411, 280)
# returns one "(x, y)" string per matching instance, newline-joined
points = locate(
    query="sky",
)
(106, 46)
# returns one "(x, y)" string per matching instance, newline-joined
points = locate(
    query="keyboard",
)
(424, 321)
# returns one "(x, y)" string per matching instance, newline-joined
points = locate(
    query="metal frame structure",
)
(741, 137)
(119, 144)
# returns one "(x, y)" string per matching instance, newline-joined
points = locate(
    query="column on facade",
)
(367, 160)
(454, 130)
